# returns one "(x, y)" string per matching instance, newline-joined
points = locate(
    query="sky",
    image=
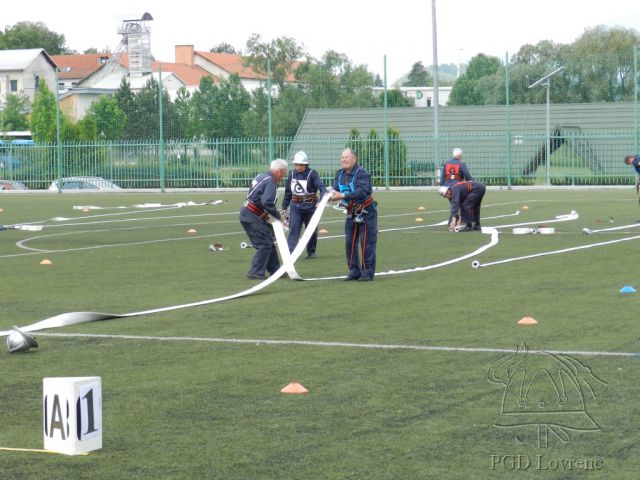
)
(365, 31)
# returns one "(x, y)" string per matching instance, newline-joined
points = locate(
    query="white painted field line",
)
(477, 264)
(314, 343)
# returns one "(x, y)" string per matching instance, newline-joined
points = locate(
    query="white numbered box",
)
(72, 410)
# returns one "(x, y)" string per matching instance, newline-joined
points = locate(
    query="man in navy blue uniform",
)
(455, 170)
(254, 217)
(301, 198)
(352, 185)
(466, 200)
(634, 160)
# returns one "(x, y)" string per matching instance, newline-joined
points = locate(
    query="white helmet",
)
(300, 158)
(443, 190)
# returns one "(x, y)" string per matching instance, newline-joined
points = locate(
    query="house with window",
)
(22, 70)
(75, 68)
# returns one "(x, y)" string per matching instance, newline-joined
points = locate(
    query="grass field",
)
(397, 369)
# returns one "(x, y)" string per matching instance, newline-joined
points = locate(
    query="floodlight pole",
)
(546, 82)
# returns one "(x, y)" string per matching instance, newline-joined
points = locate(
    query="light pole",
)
(546, 82)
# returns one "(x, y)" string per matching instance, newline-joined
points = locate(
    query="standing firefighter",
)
(466, 200)
(254, 217)
(455, 170)
(352, 185)
(301, 196)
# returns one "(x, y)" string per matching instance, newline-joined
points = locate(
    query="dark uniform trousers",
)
(364, 236)
(262, 239)
(299, 216)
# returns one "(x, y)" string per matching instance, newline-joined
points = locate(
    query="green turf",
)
(188, 409)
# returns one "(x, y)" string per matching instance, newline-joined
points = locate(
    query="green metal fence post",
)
(58, 144)
(386, 129)
(635, 97)
(508, 120)
(269, 109)
(161, 132)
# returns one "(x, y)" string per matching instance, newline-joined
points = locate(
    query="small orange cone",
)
(323, 230)
(527, 321)
(1, 210)
(419, 219)
(422, 209)
(192, 230)
(294, 387)
(46, 261)
(525, 207)
(86, 210)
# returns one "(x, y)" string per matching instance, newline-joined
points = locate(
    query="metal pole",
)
(508, 120)
(269, 109)
(635, 97)
(161, 145)
(58, 144)
(386, 129)
(436, 99)
(548, 173)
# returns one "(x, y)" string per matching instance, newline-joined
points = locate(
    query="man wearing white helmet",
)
(254, 217)
(455, 170)
(300, 197)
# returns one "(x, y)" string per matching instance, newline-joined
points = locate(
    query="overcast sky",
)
(363, 30)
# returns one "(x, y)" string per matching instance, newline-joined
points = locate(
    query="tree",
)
(224, 48)
(465, 90)
(14, 114)
(419, 76)
(109, 120)
(126, 101)
(33, 35)
(283, 54)
(43, 115)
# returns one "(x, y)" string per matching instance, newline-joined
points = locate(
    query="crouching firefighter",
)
(254, 217)
(466, 200)
(352, 186)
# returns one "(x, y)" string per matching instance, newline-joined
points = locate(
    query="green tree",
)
(14, 114)
(395, 98)
(126, 101)
(288, 110)
(224, 48)
(146, 114)
(109, 120)
(465, 90)
(419, 76)
(43, 115)
(283, 54)
(33, 35)
(255, 119)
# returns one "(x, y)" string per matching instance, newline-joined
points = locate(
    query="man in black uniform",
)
(301, 195)
(455, 170)
(254, 217)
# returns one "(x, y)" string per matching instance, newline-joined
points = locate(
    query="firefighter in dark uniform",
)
(352, 185)
(466, 200)
(634, 161)
(301, 198)
(455, 170)
(254, 217)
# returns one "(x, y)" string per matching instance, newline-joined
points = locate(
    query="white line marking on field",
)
(314, 343)
(477, 264)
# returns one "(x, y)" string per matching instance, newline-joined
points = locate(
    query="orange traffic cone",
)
(323, 230)
(46, 261)
(294, 387)
(192, 230)
(422, 209)
(527, 321)
(419, 219)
